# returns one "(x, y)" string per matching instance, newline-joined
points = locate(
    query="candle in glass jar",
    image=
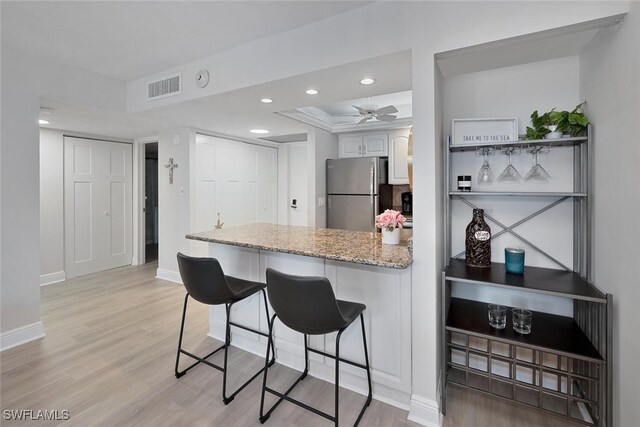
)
(514, 260)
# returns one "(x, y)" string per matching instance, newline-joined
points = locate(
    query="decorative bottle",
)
(478, 241)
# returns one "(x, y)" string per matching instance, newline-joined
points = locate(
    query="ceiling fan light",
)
(311, 92)
(259, 131)
(266, 100)
(367, 81)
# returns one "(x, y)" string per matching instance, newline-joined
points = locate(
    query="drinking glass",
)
(486, 173)
(510, 174)
(522, 320)
(537, 172)
(497, 316)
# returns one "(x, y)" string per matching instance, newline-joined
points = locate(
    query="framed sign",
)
(483, 131)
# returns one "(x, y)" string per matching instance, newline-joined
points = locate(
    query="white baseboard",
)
(21, 335)
(47, 279)
(425, 411)
(171, 276)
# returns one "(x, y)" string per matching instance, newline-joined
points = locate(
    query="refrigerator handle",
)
(373, 179)
(374, 210)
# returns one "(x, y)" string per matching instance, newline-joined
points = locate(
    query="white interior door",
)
(97, 205)
(298, 184)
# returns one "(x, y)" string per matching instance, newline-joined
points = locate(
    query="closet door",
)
(235, 179)
(97, 205)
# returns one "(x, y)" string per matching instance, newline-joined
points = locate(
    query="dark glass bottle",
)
(478, 241)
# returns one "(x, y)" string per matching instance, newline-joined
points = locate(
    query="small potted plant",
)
(553, 124)
(390, 222)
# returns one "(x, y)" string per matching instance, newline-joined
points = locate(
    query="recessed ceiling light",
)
(43, 122)
(367, 81)
(259, 131)
(311, 92)
(266, 100)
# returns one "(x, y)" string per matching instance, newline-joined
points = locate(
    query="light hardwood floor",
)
(108, 359)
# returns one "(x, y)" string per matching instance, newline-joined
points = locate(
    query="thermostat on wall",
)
(202, 78)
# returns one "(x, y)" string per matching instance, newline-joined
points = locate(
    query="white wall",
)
(20, 228)
(25, 79)
(174, 210)
(51, 202)
(610, 82)
(322, 145)
(513, 91)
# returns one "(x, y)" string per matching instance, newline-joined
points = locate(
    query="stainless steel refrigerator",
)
(353, 192)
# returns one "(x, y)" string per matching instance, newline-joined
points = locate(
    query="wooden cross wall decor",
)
(171, 166)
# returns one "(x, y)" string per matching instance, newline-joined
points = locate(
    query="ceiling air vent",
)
(168, 86)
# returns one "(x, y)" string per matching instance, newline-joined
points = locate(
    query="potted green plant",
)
(553, 124)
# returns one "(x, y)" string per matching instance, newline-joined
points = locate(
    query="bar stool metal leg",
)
(285, 396)
(227, 342)
(337, 383)
(266, 308)
(180, 350)
(368, 369)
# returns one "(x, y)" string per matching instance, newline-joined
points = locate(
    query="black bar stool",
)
(205, 282)
(309, 306)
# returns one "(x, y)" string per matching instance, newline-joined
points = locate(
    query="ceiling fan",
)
(370, 112)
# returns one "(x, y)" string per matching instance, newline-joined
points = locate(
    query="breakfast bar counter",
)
(339, 245)
(359, 267)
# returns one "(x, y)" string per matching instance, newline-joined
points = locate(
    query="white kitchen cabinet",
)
(375, 145)
(349, 146)
(398, 144)
(363, 145)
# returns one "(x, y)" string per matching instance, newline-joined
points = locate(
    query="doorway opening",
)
(151, 201)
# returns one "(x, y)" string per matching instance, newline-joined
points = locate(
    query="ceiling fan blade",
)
(386, 118)
(347, 115)
(389, 109)
(366, 119)
(360, 110)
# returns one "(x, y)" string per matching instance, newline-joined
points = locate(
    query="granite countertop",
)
(349, 246)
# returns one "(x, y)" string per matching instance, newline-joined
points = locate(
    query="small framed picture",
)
(483, 131)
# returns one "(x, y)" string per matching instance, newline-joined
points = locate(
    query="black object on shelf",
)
(478, 241)
(534, 279)
(558, 334)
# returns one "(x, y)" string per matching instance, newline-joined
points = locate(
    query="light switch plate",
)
(320, 202)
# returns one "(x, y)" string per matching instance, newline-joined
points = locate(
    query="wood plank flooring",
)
(108, 359)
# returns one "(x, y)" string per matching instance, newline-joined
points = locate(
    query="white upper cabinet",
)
(398, 144)
(349, 146)
(375, 145)
(363, 145)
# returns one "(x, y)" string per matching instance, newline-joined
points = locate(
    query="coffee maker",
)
(407, 202)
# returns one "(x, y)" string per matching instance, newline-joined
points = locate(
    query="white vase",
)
(391, 237)
(553, 133)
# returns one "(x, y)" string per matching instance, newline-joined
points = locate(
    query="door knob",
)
(106, 213)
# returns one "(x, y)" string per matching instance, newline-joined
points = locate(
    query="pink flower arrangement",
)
(390, 219)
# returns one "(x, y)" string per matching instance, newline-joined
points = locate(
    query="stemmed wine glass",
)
(510, 174)
(485, 176)
(537, 172)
